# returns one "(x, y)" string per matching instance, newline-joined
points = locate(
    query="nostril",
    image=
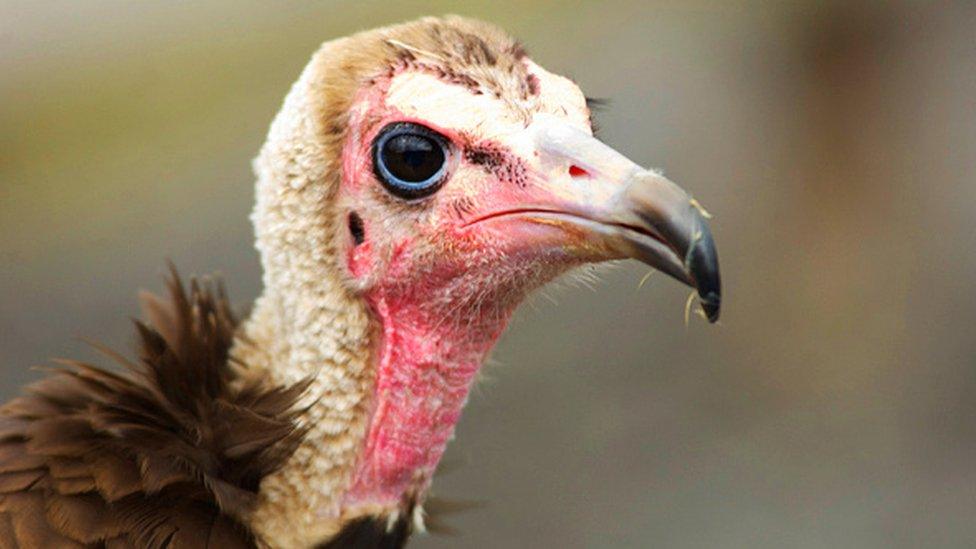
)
(576, 171)
(356, 228)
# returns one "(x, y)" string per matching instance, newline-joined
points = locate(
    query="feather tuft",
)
(168, 451)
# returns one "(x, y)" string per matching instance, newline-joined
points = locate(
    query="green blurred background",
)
(835, 143)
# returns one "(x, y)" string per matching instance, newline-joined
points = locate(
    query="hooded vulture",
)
(418, 181)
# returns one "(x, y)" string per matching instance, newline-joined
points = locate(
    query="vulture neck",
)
(390, 380)
(426, 363)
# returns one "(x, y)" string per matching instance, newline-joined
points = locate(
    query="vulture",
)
(418, 182)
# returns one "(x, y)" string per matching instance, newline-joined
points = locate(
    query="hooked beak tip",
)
(711, 303)
(702, 264)
(664, 210)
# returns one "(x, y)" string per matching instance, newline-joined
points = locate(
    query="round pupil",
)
(412, 158)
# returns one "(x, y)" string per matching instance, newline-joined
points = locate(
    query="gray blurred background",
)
(835, 143)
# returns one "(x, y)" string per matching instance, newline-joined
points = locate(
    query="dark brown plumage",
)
(167, 453)
(373, 533)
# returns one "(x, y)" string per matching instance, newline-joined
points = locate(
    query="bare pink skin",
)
(442, 287)
(427, 362)
(432, 346)
(423, 378)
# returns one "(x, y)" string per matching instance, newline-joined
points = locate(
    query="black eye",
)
(410, 160)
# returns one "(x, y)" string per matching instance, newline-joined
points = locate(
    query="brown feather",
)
(169, 452)
(19, 481)
(6, 532)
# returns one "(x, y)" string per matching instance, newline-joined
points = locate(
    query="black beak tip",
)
(711, 303)
(703, 264)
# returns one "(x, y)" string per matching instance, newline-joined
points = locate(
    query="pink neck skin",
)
(426, 365)
(437, 329)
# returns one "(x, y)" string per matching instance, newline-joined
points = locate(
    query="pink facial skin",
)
(441, 287)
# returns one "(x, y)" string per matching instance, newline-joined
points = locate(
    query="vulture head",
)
(419, 181)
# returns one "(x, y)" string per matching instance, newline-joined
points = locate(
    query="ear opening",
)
(356, 228)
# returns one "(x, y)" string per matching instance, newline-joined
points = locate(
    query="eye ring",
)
(410, 160)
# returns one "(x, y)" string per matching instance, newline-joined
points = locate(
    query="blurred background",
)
(834, 142)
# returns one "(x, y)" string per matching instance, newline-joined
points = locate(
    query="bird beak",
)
(624, 210)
